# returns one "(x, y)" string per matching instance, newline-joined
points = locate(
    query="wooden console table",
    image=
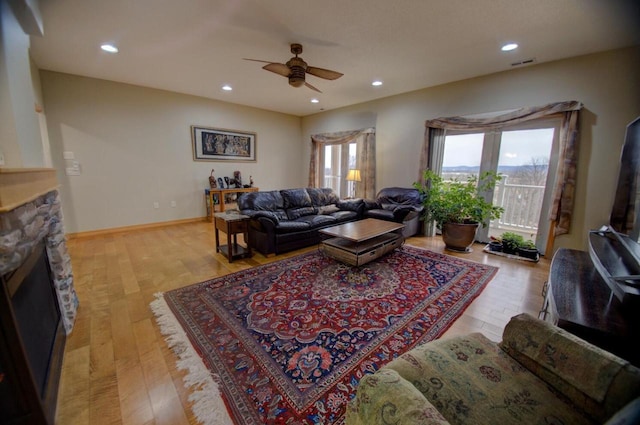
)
(220, 194)
(578, 299)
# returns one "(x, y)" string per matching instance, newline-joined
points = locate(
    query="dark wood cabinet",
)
(580, 301)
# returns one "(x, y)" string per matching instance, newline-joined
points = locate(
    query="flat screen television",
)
(625, 213)
(615, 248)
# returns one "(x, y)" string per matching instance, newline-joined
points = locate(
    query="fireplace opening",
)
(32, 342)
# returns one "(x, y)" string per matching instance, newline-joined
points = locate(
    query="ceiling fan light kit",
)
(296, 69)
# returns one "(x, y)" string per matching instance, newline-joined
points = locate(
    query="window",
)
(526, 157)
(333, 155)
(338, 160)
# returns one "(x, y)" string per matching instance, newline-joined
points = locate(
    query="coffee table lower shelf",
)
(359, 253)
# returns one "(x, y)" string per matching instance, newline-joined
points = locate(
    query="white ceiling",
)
(196, 46)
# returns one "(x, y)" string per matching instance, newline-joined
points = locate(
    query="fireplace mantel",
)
(21, 185)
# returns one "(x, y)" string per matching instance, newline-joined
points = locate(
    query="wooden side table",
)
(220, 194)
(232, 224)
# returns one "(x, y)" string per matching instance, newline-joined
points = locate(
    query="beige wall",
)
(20, 140)
(133, 143)
(134, 148)
(607, 83)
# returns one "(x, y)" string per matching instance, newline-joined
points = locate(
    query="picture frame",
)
(218, 144)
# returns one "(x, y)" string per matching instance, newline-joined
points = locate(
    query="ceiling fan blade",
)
(327, 74)
(311, 87)
(278, 68)
(256, 60)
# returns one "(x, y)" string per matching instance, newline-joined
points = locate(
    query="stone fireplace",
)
(38, 302)
(29, 213)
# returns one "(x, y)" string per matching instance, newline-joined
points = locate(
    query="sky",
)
(517, 147)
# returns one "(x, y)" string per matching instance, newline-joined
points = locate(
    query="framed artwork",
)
(216, 144)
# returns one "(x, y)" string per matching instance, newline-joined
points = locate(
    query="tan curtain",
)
(366, 157)
(564, 191)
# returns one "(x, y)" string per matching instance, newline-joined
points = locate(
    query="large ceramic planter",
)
(459, 236)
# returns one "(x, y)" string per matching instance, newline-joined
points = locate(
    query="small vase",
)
(212, 181)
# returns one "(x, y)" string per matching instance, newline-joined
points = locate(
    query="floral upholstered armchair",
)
(538, 374)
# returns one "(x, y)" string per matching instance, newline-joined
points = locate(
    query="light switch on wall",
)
(73, 169)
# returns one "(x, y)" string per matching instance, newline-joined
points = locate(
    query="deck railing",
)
(522, 205)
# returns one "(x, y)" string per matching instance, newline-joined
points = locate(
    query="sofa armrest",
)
(265, 214)
(387, 398)
(355, 205)
(595, 380)
(370, 204)
(401, 211)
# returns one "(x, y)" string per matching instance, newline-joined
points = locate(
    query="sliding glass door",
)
(526, 158)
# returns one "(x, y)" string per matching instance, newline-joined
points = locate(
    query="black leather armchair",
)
(399, 204)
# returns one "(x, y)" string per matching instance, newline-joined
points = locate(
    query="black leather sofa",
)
(284, 220)
(399, 204)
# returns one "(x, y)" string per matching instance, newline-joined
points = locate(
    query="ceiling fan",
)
(296, 68)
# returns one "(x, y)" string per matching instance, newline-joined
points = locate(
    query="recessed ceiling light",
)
(109, 48)
(315, 101)
(376, 83)
(508, 47)
(227, 87)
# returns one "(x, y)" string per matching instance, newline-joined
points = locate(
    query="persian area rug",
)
(287, 342)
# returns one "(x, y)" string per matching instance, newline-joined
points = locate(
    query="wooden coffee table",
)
(360, 242)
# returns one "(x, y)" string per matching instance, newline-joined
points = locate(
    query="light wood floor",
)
(117, 368)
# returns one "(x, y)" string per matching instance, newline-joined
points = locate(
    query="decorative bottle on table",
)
(212, 180)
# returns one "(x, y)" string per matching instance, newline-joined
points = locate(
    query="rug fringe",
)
(207, 404)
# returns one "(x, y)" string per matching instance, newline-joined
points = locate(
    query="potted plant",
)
(529, 250)
(495, 244)
(458, 207)
(511, 242)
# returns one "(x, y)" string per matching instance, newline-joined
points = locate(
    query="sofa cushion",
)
(332, 196)
(318, 196)
(261, 201)
(296, 198)
(294, 213)
(341, 216)
(328, 209)
(292, 226)
(350, 204)
(469, 379)
(317, 220)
